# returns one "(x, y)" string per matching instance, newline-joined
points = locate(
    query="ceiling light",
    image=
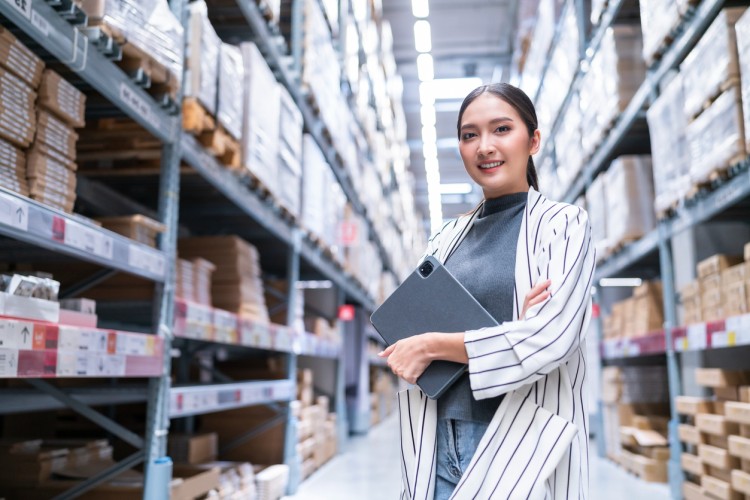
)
(425, 68)
(422, 36)
(429, 134)
(427, 114)
(456, 188)
(426, 94)
(314, 284)
(624, 282)
(429, 150)
(451, 88)
(420, 8)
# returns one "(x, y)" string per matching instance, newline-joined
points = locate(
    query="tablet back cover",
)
(435, 303)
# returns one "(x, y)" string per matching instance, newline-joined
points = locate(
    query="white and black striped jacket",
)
(537, 443)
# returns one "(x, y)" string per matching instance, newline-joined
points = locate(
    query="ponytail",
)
(531, 175)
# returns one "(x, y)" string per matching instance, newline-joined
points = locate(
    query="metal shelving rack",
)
(61, 31)
(638, 257)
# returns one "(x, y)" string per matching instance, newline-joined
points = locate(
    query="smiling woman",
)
(515, 425)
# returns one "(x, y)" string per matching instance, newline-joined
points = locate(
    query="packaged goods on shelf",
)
(51, 177)
(193, 449)
(236, 283)
(712, 65)
(658, 19)
(136, 227)
(690, 297)
(541, 40)
(260, 131)
(276, 295)
(17, 111)
(56, 135)
(596, 200)
(230, 98)
(290, 153)
(62, 99)
(13, 168)
(150, 29)
(630, 199)
(742, 31)
(185, 280)
(734, 293)
(203, 56)
(615, 75)
(716, 137)
(568, 143)
(671, 162)
(640, 315)
(21, 61)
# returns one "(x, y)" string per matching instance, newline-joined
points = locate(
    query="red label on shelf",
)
(58, 229)
(346, 312)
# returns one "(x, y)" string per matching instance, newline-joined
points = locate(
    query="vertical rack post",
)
(298, 37)
(157, 424)
(676, 475)
(342, 426)
(601, 447)
(290, 433)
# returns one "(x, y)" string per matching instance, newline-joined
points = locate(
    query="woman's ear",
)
(536, 142)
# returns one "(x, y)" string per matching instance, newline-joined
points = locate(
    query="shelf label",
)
(8, 363)
(40, 23)
(145, 260)
(16, 335)
(697, 336)
(14, 212)
(137, 103)
(22, 6)
(722, 339)
(88, 239)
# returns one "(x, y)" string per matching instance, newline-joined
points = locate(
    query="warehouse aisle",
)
(368, 470)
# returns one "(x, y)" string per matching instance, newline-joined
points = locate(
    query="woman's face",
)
(495, 146)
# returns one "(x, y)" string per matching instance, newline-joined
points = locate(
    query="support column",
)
(290, 435)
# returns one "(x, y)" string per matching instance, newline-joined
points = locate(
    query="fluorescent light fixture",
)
(623, 282)
(456, 188)
(314, 285)
(429, 150)
(451, 88)
(426, 94)
(429, 134)
(427, 114)
(425, 67)
(420, 8)
(422, 36)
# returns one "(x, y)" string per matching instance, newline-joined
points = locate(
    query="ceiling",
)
(469, 38)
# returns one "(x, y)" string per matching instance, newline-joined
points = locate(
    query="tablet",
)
(431, 300)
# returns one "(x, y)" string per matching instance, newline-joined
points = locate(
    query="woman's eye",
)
(467, 135)
(502, 128)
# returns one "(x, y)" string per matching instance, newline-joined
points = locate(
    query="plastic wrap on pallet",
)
(596, 201)
(742, 29)
(149, 25)
(716, 137)
(630, 199)
(541, 40)
(658, 19)
(290, 153)
(204, 47)
(670, 153)
(568, 144)
(549, 182)
(260, 131)
(712, 63)
(314, 189)
(231, 78)
(597, 9)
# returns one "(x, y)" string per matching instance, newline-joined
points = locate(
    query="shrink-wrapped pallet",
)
(670, 154)
(596, 201)
(658, 20)
(568, 144)
(230, 110)
(149, 26)
(316, 173)
(290, 153)
(713, 64)
(716, 138)
(260, 144)
(203, 56)
(742, 30)
(536, 59)
(630, 199)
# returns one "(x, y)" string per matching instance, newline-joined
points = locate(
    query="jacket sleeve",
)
(517, 353)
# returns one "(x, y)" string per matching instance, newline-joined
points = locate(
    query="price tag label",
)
(137, 103)
(149, 261)
(721, 339)
(22, 6)
(40, 23)
(88, 239)
(632, 349)
(697, 336)
(72, 364)
(14, 212)
(681, 344)
(8, 363)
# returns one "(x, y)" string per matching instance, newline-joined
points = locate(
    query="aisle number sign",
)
(22, 6)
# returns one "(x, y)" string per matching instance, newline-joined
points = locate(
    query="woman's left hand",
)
(409, 358)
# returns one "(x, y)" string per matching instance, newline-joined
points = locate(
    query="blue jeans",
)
(457, 440)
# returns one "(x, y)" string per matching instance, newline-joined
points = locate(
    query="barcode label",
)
(40, 23)
(8, 363)
(137, 104)
(88, 239)
(145, 260)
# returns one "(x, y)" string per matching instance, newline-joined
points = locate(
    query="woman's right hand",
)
(536, 295)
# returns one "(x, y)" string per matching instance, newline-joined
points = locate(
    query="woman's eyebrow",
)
(496, 120)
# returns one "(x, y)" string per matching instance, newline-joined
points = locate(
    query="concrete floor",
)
(368, 469)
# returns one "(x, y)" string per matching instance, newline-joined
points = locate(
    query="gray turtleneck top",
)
(484, 263)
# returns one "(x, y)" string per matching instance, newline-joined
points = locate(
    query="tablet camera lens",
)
(426, 269)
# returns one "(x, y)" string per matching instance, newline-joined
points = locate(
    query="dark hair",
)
(521, 103)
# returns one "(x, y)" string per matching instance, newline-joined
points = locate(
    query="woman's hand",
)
(409, 358)
(536, 295)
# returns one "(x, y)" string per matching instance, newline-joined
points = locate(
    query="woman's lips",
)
(491, 167)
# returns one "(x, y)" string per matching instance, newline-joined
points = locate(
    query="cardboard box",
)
(744, 393)
(717, 457)
(193, 450)
(719, 489)
(136, 227)
(716, 264)
(692, 491)
(19, 59)
(58, 96)
(202, 60)
(747, 252)
(741, 481)
(739, 447)
(730, 393)
(717, 425)
(690, 434)
(690, 405)
(737, 412)
(717, 377)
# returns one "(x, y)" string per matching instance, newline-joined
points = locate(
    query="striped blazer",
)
(536, 445)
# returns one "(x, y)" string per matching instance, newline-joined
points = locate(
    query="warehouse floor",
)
(369, 470)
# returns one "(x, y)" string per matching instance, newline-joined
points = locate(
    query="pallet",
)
(665, 43)
(732, 82)
(668, 212)
(715, 178)
(195, 118)
(223, 146)
(267, 11)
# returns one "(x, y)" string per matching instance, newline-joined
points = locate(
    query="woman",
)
(515, 426)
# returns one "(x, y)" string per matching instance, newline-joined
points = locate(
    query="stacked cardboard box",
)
(710, 275)
(568, 143)
(637, 316)
(193, 449)
(540, 41)
(630, 199)
(236, 283)
(382, 394)
(734, 290)
(690, 296)
(202, 59)
(230, 110)
(13, 168)
(596, 200)
(193, 280)
(742, 31)
(714, 435)
(290, 154)
(236, 480)
(20, 77)
(316, 428)
(658, 19)
(136, 227)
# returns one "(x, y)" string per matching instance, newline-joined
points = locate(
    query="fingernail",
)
(381, 353)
